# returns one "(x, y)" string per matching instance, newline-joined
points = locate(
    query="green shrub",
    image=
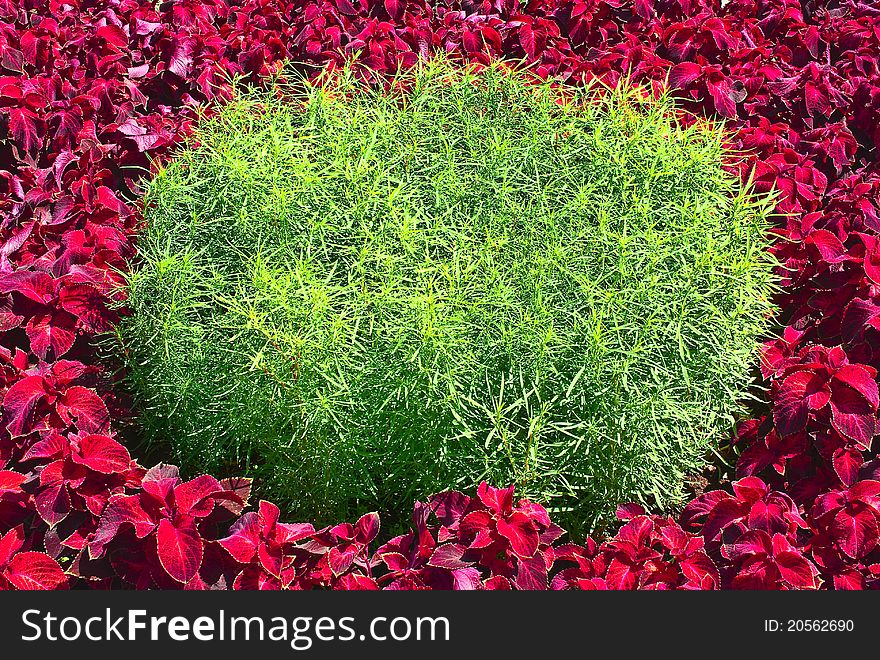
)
(361, 297)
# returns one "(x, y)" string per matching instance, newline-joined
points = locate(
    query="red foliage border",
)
(90, 90)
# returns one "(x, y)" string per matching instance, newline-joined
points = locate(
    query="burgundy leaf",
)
(531, 574)
(449, 556)
(87, 304)
(395, 8)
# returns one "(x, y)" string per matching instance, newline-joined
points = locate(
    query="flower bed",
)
(89, 92)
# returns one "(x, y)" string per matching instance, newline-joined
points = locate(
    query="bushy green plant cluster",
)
(361, 296)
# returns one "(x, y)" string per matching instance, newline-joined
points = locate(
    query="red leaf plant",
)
(27, 570)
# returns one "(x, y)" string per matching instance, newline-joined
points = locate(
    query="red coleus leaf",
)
(181, 60)
(700, 571)
(10, 543)
(532, 40)
(395, 8)
(862, 379)
(194, 497)
(830, 248)
(621, 576)
(87, 304)
(644, 8)
(51, 448)
(35, 571)
(799, 393)
(723, 514)
(467, 579)
(113, 35)
(449, 556)
(121, 511)
(849, 580)
(750, 489)
(854, 400)
(53, 331)
(497, 583)
(684, 74)
(180, 549)
(20, 403)
(477, 526)
(499, 500)
(84, 407)
(65, 136)
(253, 579)
(35, 285)
(519, 529)
(531, 573)
(471, 41)
(449, 507)
(340, 559)
(626, 512)
(752, 542)
(366, 528)
(846, 462)
(866, 491)
(722, 95)
(10, 482)
(53, 503)
(355, 582)
(240, 491)
(856, 531)
(8, 318)
(758, 572)
(102, 454)
(858, 315)
(27, 130)
(243, 539)
(637, 532)
(793, 567)
(293, 532)
(346, 7)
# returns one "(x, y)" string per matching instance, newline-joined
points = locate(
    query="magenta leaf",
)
(35, 571)
(243, 539)
(27, 130)
(856, 532)
(102, 454)
(684, 74)
(449, 556)
(180, 549)
(53, 503)
(53, 331)
(366, 528)
(531, 574)
(521, 532)
(85, 407)
(395, 8)
(20, 403)
(87, 304)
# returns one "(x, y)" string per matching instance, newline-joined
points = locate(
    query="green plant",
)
(362, 295)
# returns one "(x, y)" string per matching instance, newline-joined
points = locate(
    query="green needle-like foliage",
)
(362, 296)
